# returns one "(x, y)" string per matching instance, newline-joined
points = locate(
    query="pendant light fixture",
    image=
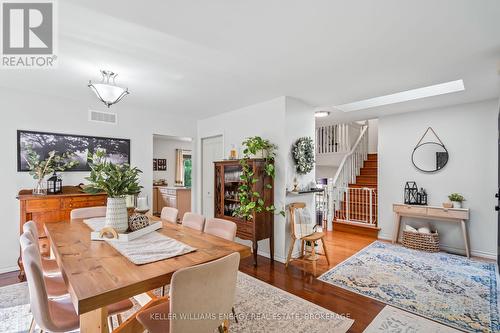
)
(107, 90)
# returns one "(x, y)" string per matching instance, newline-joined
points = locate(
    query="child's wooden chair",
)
(302, 228)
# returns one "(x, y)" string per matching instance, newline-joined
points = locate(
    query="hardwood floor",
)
(298, 279)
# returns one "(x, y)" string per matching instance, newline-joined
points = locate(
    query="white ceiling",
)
(201, 58)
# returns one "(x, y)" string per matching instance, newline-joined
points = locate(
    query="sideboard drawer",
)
(71, 204)
(448, 213)
(42, 205)
(410, 209)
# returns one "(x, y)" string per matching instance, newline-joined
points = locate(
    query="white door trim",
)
(200, 142)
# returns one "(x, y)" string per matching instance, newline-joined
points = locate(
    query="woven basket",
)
(422, 242)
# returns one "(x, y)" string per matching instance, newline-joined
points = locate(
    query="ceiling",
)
(202, 58)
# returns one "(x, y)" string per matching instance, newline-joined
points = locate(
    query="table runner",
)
(146, 249)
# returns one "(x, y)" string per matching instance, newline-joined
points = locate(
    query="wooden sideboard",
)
(176, 197)
(52, 208)
(457, 215)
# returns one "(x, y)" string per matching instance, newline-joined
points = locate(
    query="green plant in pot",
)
(250, 201)
(117, 181)
(456, 199)
(39, 168)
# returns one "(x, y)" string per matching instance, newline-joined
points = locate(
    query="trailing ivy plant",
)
(116, 180)
(250, 201)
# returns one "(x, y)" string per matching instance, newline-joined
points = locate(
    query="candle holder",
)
(142, 206)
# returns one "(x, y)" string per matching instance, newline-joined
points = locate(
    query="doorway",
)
(172, 174)
(212, 149)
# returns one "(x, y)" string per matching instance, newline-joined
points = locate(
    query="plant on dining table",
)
(117, 181)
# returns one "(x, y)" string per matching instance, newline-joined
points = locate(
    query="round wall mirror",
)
(429, 156)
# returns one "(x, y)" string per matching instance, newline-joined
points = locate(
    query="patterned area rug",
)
(260, 307)
(392, 320)
(454, 290)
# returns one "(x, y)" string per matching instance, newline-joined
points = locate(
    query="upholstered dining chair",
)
(221, 228)
(49, 266)
(199, 290)
(193, 221)
(169, 214)
(54, 282)
(52, 314)
(88, 212)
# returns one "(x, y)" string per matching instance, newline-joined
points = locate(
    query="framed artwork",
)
(162, 164)
(117, 150)
(155, 164)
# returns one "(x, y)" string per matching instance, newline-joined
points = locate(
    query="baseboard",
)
(9, 269)
(455, 250)
(276, 257)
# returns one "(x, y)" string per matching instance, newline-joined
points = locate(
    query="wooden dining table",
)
(97, 275)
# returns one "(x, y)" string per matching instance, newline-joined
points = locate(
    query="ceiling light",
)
(409, 95)
(107, 90)
(321, 114)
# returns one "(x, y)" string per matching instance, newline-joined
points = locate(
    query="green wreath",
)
(303, 155)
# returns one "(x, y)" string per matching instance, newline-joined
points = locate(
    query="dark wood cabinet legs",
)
(255, 247)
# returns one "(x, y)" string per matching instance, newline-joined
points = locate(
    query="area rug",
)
(259, 307)
(454, 290)
(393, 320)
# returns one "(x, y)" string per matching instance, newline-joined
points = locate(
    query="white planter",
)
(116, 214)
(260, 154)
(456, 204)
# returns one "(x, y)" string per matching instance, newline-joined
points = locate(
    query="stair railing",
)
(349, 168)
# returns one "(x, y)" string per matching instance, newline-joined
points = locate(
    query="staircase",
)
(358, 205)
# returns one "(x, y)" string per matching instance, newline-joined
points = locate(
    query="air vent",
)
(103, 117)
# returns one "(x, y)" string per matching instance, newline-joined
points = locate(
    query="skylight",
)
(404, 96)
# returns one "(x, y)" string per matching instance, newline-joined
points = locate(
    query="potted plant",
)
(456, 199)
(39, 169)
(117, 181)
(250, 201)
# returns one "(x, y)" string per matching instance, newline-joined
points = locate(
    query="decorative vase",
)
(456, 204)
(40, 188)
(116, 214)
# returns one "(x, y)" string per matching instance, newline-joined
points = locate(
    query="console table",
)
(457, 215)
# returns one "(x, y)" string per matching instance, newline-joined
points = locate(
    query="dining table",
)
(97, 275)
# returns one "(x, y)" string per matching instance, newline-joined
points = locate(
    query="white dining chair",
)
(52, 314)
(221, 228)
(194, 291)
(50, 267)
(169, 214)
(193, 221)
(88, 212)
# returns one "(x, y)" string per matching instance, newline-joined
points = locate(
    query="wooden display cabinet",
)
(227, 181)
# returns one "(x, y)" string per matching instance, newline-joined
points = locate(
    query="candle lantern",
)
(410, 193)
(54, 184)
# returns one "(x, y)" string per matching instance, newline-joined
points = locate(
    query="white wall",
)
(165, 148)
(50, 114)
(300, 122)
(372, 136)
(469, 132)
(280, 120)
(266, 120)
